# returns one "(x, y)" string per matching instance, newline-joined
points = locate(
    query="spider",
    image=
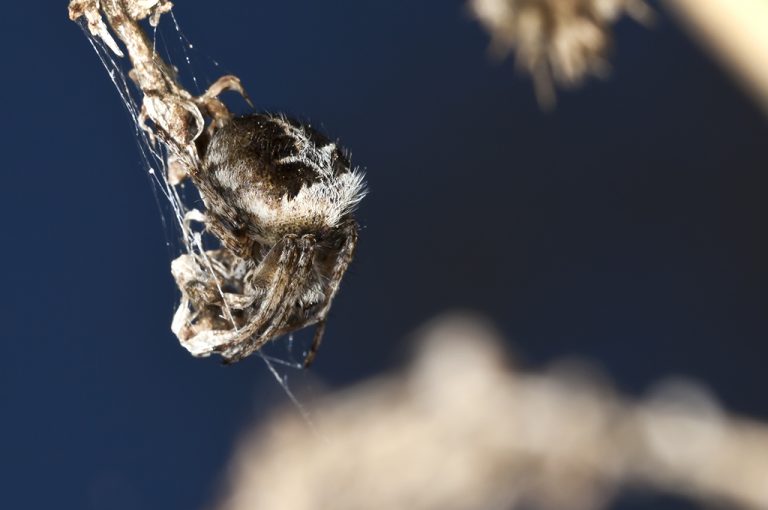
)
(279, 196)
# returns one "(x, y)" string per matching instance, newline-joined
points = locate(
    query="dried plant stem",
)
(177, 117)
(737, 32)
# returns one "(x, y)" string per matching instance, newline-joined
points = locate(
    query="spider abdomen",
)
(277, 176)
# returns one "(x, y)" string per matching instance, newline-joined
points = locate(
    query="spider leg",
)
(281, 272)
(303, 271)
(293, 292)
(344, 258)
(317, 339)
(213, 105)
(225, 83)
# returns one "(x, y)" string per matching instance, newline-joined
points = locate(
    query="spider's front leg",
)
(228, 82)
(274, 325)
(272, 280)
(333, 268)
(343, 258)
(213, 106)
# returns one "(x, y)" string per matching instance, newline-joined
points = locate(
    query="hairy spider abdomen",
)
(265, 176)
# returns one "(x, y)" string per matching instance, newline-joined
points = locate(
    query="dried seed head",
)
(556, 41)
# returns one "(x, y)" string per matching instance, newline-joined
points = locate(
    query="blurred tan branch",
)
(737, 33)
(462, 430)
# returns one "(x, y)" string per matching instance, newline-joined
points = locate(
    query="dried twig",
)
(460, 430)
(178, 118)
(737, 33)
(166, 103)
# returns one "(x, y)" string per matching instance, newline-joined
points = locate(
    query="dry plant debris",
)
(556, 41)
(462, 430)
(735, 32)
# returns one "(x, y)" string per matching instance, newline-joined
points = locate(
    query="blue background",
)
(627, 227)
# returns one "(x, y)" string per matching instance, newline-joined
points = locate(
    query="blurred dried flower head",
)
(556, 41)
